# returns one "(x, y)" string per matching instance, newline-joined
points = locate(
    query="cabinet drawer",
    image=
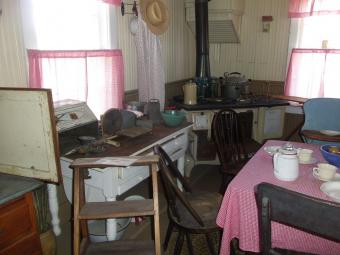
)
(18, 229)
(175, 144)
(29, 245)
(124, 174)
(15, 222)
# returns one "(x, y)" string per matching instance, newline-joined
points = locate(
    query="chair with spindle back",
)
(190, 212)
(232, 136)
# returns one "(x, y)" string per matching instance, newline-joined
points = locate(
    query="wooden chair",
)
(309, 214)
(321, 114)
(232, 136)
(84, 211)
(190, 212)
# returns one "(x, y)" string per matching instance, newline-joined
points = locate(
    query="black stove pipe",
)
(202, 39)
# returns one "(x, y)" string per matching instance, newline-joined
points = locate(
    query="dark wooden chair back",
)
(227, 138)
(303, 212)
(170, 174)
(172, 167)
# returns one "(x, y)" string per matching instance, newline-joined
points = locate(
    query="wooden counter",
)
(316, 135)
(131, 146)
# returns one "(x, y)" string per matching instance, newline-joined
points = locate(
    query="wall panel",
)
(177, 46)
(260, 55)
(12, 52)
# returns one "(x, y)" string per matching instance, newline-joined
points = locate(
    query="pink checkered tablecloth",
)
(238, 212)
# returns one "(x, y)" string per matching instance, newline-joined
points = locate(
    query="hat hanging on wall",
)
(155, 14)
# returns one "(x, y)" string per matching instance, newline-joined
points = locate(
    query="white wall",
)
(178, 46)
(260, 56)
(12, 52)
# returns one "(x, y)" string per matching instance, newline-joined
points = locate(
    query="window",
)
(72, 51)
(314, 49)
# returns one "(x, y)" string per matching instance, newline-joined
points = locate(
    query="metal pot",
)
(234, 85)
(152, 109)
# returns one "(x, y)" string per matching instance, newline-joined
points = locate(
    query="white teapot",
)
(286, 164)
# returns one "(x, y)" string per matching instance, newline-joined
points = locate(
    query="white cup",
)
(325, 171)
(305, 155)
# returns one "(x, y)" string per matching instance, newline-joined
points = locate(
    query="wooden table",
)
(238, 212)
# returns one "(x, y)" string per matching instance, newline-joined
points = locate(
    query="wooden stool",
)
(84, 211)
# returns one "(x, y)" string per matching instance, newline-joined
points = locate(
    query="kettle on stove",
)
(286, 164)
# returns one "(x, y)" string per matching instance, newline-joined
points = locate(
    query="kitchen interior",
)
(235, 57)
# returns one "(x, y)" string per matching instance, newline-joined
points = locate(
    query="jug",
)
(286, 165)
(190, 93)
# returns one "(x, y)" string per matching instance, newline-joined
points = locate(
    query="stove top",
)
(242, 102)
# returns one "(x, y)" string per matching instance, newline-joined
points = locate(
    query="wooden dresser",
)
(18, 228)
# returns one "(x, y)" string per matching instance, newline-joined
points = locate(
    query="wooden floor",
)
(204, 178)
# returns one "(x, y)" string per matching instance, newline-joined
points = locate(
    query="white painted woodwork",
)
(12, 51)
(259, 55)
(178, 46)
(107, 184)
(224, 18)
(27, 135)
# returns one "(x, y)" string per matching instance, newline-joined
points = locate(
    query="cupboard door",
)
(18, 230)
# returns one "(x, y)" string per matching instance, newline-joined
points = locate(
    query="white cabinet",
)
(268, 122)
(107, 184)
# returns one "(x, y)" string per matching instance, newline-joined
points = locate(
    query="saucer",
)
(331, 189)
(271, 150)
(335, 178)
(311, 161)
(330, 132)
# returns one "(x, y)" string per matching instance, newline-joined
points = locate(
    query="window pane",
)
(66, 78)
(316, 29)
(71, 24)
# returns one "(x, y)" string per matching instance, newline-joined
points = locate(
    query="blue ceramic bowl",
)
(173, 118)
(331, 158)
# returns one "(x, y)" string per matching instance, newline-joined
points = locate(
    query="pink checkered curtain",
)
(306, 8)
(93, 76)
(113, 2)
(313, 73)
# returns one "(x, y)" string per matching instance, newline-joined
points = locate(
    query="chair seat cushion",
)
(206, 204)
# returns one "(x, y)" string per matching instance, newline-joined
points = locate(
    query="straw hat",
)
(155, 14)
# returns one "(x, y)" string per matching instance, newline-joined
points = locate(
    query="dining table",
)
(238, 213)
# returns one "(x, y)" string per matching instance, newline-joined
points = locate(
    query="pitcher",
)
(286, 165)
